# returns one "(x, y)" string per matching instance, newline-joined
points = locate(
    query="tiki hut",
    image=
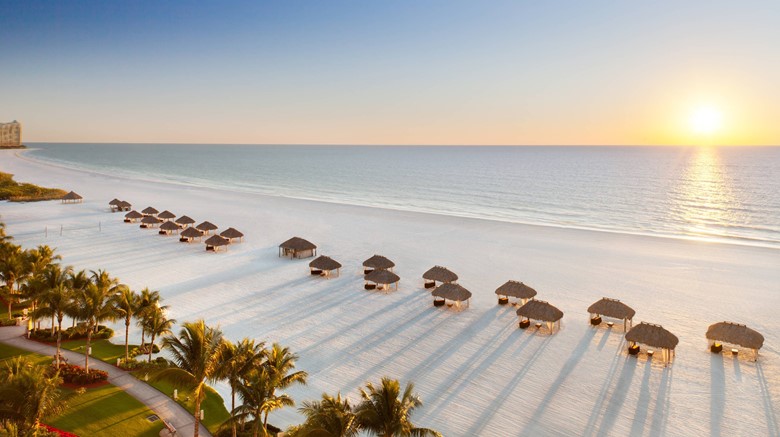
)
(124, 205)
(232, 234)
(114, 205)
(736, 334)
(612, 308)
(377, 262)
(654, 336)
(207, 227)
(450, 291)
(72, 197)
(381, 280)
(166, 215)
(541, 311)
(214, 242)
(438, 274)
(149, 222)
(185, 221)
(189, 234)
(167, 227)
(150, 211)
(324, 265)
(514, 289)
(297, 247)
(132, 216)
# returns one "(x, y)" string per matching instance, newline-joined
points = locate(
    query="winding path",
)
(162, 405)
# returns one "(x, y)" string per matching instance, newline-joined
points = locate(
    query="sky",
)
(396, 72)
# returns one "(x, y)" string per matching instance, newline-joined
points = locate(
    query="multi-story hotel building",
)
(11, 134)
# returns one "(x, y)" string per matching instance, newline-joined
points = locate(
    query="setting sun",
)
(706, 120)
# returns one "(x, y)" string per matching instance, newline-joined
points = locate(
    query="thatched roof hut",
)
(377, 262)
(207, 227)
(114, 205)
(149, 221)
(438, 274)
(149, 211)
(185, 221)
(382, 278)
(214, 242)
(450, 291)
(297, 247)
(167, 227)
(72, 197)
(540, 310)
(735, 333)
(190, 234)
(124, 205)
(514, 289)
(323, 265)
(166, 215)
(654, 336)
(611, 308)
(132, 216)
(232, 234)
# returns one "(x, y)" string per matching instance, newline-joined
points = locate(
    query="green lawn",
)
(100, 411)
(213, 406)
(102, 349)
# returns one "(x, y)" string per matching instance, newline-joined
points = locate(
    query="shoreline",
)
(736, 241)
(508, 381)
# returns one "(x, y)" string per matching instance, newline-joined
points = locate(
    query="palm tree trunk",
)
(59, 340)
(127, 335)
(232, 409)
(197, 415)
(52, 324)
(143, 336)
(151, 347)
(86, 352)
(265, 423)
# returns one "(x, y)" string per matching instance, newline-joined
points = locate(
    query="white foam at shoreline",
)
(477, 373)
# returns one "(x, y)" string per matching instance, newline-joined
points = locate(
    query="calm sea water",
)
(726, 194)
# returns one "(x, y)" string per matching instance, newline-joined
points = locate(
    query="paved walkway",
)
(165, 407)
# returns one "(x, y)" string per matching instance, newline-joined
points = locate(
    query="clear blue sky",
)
(395, 72)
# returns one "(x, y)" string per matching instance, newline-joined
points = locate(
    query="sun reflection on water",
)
(704, 197)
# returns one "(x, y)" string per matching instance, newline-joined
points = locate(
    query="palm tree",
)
(157, 324)
(257, 399)
(41, 284)
(280, 363)
(13, 270)
(29, 395)
(149, 299)
(196, 353)
(78, 283)
(383, 413)
(329, 417)
(126, 304)
(94, 305)
(57, 302)
(238, 360)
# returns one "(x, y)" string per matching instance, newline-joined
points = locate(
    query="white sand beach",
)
(477, 373)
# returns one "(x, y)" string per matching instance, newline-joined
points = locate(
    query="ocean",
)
(726, 194)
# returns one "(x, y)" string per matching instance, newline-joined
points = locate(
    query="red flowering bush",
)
(59, 432)
(72, 374)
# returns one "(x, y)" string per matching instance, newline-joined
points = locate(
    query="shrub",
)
(72, 374)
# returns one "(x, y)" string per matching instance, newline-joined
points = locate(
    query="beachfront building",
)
(11, 134)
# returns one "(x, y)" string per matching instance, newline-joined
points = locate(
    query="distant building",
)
(11, 134)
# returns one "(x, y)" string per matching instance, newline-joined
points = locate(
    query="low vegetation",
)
(23, 192)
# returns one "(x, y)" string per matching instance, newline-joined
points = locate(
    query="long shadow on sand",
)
(717, 393)
(618, 398)
(487, 415)
(595, 412)
(576, 356)
(477, 367)
(660, 411)
(659, 420)
(769, 406)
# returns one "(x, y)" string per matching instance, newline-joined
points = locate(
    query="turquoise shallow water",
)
(724, 194)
